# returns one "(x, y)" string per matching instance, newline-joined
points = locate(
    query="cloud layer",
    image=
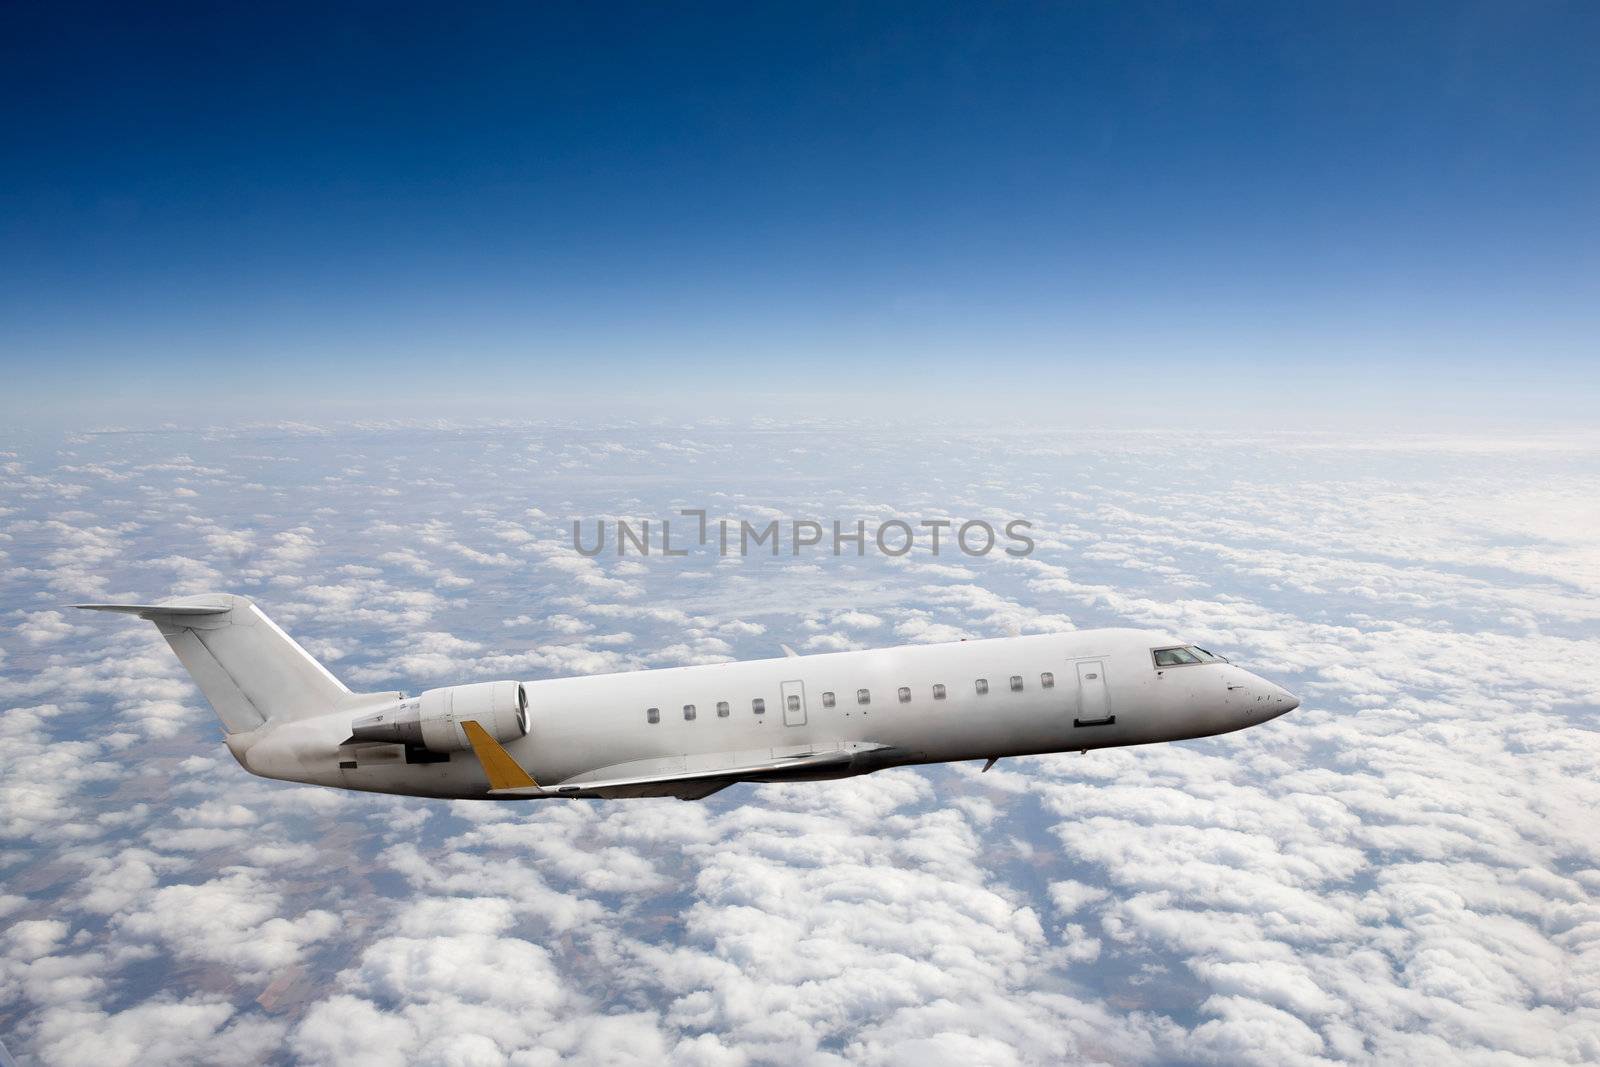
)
(1403, 871)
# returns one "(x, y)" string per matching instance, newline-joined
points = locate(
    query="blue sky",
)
(1312, 211)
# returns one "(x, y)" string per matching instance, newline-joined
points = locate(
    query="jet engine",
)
(433, 720)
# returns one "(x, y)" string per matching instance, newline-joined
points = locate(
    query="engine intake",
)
(433, 720)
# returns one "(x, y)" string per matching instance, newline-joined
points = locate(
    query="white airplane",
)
(689, 731)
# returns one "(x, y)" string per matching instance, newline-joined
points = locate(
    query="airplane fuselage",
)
(675, 727)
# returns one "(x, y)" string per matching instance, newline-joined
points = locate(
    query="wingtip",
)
(502, 768)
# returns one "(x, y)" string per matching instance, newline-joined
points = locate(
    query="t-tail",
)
(250, 670)
(286, 716)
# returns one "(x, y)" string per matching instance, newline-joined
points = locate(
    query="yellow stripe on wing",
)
(504, 772)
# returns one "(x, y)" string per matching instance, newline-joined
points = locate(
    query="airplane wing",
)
(696, 790)
(690, 783)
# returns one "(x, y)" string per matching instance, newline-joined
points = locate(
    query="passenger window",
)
(981, 685)
(794, 703)
(938, 691)
(688, 712)
(722, 709)
(827, 700)
(863, 697)
(758, 706)
(652, 715)
(1047, 680)
(1016, 683)
(905, 694)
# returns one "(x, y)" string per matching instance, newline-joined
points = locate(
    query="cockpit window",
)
(1182, 656)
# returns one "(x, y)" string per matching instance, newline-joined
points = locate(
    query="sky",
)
(1277, 321)
(1403, 871)
(1118, 215)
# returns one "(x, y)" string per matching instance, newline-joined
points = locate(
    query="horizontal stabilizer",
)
(146, 610)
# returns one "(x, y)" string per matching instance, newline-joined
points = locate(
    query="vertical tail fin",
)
(250, 670)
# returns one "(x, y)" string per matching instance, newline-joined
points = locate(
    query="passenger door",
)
(794, 703)
(1094, 701)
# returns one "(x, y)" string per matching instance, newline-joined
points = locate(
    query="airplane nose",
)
(1253, 700)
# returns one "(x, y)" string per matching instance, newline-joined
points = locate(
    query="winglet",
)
(504, 771)
(787, 651)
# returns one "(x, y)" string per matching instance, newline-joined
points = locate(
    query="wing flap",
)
(701, 790)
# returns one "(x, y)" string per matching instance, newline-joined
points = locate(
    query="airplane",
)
(688, 732)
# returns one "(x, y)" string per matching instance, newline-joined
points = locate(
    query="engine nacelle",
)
(433, 720)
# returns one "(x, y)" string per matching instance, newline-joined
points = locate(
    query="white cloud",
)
(39, 777)
(1403, 869)
(156, 1031)
(44, 627)
(232, 919)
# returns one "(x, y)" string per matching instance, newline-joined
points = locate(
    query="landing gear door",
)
(1094, 700)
